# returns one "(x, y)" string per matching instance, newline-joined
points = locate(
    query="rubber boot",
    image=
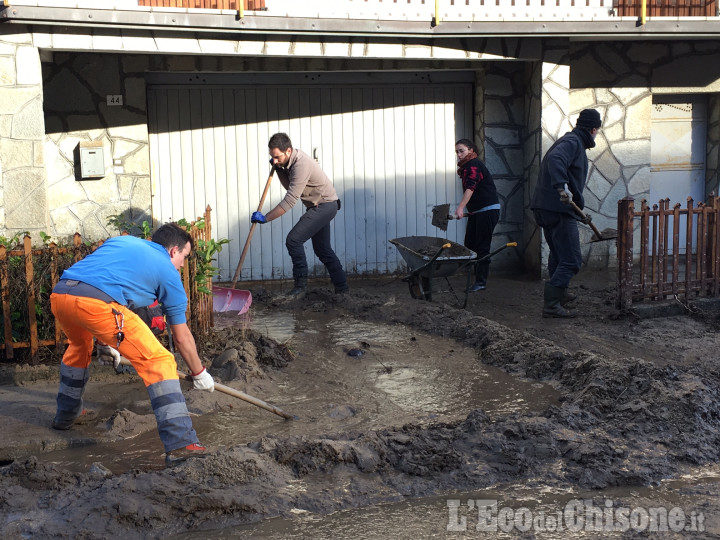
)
(342, 288)
(567, 298)
(552, 306)
(299, 290)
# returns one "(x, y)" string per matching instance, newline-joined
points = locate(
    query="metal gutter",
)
(225, 21)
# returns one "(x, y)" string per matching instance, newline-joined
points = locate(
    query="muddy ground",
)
(637, 404)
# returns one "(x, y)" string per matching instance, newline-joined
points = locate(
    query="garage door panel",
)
(387, 148)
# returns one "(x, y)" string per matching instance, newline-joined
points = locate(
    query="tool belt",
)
(152, 315)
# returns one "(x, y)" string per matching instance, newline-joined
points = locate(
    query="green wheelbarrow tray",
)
(429, 257)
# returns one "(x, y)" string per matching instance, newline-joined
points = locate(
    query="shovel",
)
(231, 392)
(441, 216)
(227, 298)
(606, 234)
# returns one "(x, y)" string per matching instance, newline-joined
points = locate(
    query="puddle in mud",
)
(402, 377)
(520, 510)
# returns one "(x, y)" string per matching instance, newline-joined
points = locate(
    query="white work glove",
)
(107, 355)
(203, 381)
(565, 194)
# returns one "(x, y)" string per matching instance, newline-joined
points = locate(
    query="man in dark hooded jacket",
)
(563, 173)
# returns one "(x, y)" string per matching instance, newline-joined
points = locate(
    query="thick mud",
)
(622, 401)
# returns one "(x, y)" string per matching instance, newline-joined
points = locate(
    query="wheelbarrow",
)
(429, 257)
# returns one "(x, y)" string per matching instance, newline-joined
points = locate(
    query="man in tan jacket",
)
(304, 180)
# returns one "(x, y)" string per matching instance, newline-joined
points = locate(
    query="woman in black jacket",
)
(482, 204)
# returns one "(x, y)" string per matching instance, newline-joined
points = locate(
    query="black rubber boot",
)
(567, 298)
(342, 288)
(299, 290)
(552, 306)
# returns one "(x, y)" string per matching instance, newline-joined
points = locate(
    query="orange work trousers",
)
(81, 318)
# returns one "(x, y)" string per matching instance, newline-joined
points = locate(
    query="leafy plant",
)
(46, 238)
(205, 254)
(128, 226)
(14, 241)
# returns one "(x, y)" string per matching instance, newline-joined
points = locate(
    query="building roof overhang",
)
(227, 21)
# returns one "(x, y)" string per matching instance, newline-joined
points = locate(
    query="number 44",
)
(114, 100)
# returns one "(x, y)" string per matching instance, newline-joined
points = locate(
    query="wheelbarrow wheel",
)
(419, 287)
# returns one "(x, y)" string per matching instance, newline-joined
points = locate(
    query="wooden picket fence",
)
(669, 265)
(28, 275)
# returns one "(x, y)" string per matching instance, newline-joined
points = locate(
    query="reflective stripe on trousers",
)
(69, 398)
(82, 318)
(174, 424)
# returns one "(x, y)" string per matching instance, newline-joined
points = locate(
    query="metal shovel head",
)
(225, 299)
(606, 234)
(441, 216)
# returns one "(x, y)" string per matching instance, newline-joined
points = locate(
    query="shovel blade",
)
(231, 300)
(605, 234)
(441, 216)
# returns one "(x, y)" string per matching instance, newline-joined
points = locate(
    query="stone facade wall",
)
(532, 147)
(503, 128)
(620, 80)
(23, 181)
(76, 110)
(625, 78)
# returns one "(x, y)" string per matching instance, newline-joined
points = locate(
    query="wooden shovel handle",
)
(242, 395)
(231, 392)
(582, 215)
(252, 230)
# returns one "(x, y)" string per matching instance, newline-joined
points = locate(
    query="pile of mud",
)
(621, 421)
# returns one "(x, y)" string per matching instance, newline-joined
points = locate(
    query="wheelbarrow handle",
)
(432, 260)
(498, 250)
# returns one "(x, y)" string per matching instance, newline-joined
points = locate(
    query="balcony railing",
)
(666, 8)
(249, 5)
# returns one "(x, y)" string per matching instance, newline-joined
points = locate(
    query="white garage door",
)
(386, 141)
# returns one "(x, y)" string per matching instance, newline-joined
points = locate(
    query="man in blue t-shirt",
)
(95, 298)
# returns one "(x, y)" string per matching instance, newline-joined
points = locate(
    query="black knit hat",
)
(589, 118)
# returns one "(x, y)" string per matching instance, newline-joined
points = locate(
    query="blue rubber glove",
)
(258, 217)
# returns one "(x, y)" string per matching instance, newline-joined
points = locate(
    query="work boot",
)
(342, 288)
(567, 298)
(552, 306)
(175, 457)
(85, 417)
(299, 290)
(63, 425)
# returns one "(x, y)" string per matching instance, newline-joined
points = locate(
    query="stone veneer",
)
(23, 180)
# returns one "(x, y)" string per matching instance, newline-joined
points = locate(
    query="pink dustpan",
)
(231, 300)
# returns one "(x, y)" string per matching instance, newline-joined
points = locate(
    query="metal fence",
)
(679, 251)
